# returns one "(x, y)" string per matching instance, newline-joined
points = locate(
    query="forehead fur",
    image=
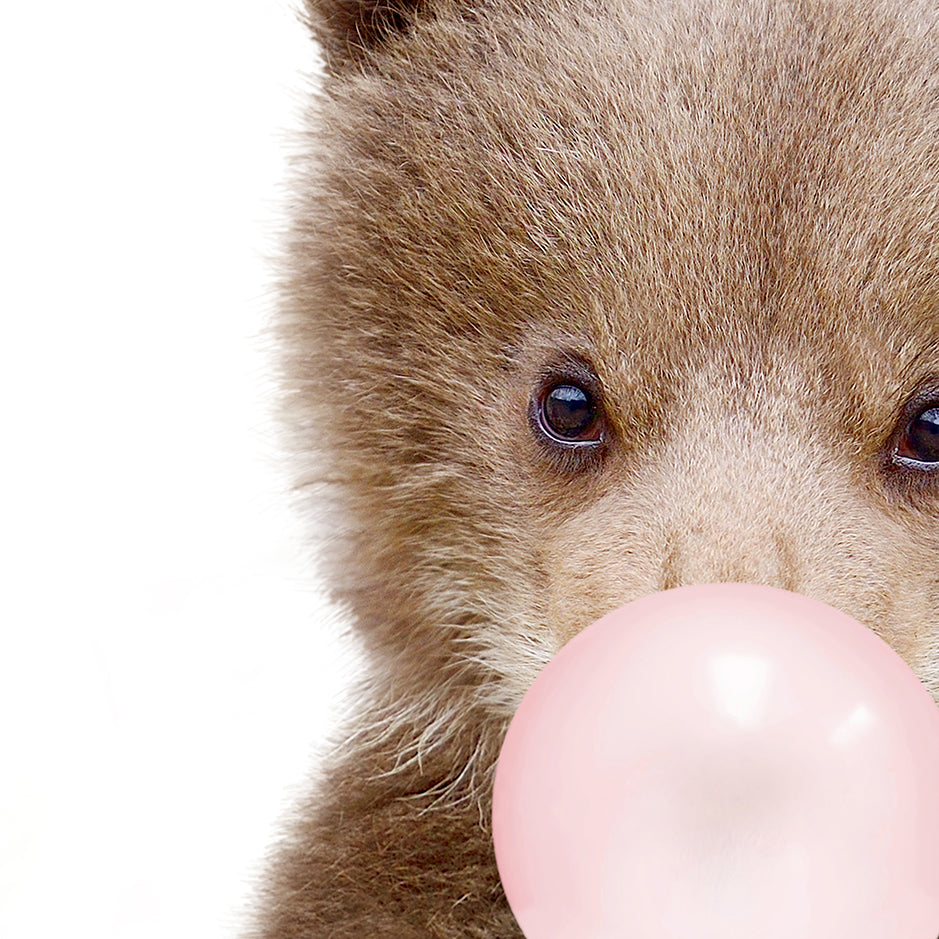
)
(642, 172)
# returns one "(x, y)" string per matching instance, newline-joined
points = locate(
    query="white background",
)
(165, 664)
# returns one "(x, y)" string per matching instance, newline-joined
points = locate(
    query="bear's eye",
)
(569, 414)
(919, 443)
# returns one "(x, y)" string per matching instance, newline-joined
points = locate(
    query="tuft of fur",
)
(726, 210)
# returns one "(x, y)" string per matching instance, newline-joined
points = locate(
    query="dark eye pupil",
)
(922, 441)
(569, 412)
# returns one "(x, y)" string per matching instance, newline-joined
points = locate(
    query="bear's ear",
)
(349, 29)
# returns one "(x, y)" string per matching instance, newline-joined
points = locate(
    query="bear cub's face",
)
(614, 297)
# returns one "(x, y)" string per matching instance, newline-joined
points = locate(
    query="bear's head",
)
(586, 300)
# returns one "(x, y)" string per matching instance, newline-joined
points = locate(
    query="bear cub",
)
(584, 300)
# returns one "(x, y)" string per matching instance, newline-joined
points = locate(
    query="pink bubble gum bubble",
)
(723, 761)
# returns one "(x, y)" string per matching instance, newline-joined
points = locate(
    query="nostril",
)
(791, 570)
(671, 565)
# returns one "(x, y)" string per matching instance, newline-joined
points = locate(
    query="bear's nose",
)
(745, 554)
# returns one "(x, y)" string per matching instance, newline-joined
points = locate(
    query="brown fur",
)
(728, 210)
